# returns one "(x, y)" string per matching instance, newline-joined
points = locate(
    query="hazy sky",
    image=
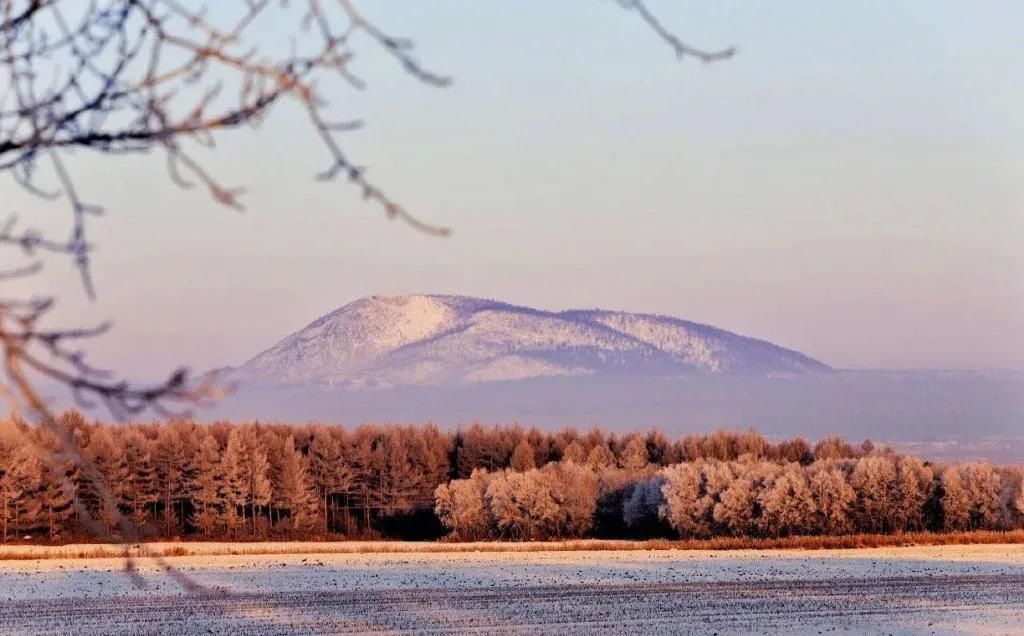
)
(851, 185)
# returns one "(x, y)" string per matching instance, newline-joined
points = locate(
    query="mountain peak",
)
(427, 339)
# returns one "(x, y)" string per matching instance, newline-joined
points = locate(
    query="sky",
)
(850, 185)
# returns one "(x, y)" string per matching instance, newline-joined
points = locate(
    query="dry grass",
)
(181, 549)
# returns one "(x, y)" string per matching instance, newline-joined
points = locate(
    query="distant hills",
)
(432, 340)
(453, 360)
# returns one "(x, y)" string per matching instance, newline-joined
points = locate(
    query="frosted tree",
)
(787, 506)
(912, 489)
(510, 518)
(543, 448)
(956, 501)
(833, 448)
(683, 509)
(574, 489)
(982, 483)
(533, 496)
(737, 509)
(833, 498)
(874, 481)
(718, 476)
(970, 498)
(600, 456)
(633, 457)
(1017, 500)
(462, 507)
(660, 450)
(751, 443)
(1011, 495)
(523, 505)
(795, 450)
(574, 452)
(405, 468)
(641, 505)
(522, 457)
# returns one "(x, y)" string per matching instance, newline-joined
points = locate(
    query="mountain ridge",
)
(430, 339)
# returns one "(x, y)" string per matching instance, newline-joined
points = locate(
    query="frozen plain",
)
(913, 590)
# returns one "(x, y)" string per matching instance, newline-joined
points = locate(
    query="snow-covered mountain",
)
(385, 341)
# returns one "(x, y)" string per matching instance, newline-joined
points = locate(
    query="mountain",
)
(430, 340)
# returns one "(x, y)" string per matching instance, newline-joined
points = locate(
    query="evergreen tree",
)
(209, 494)
(255, 470)
(522, 457)
(634, 455)
(234, 489)
(330, 474)
(173, 460)
(295, 491)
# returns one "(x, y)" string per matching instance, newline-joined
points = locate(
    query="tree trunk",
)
(167, 511)
(348, 517)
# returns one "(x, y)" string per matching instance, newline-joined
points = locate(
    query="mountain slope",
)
(433, 340)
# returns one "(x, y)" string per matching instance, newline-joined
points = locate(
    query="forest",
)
(253, 480)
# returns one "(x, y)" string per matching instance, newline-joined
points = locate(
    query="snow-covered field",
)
(944, 590)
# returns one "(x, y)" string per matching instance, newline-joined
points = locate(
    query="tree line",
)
(879, 493)
(229, 480)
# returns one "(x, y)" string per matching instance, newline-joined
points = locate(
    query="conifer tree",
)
(135, 477)
(330, 474)
(295, 491)
(574, 452)
(257, 469)
(209, 494)
(105, 455)
(235, 491)
(9, 492)
(600, 456)
(173, 461)
(634, 455)
(522, 457)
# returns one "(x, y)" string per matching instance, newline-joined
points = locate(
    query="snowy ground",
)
(943, 590)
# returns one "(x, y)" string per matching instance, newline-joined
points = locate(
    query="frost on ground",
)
(943, 590)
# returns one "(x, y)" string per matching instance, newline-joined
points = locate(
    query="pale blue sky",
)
(851, 185)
